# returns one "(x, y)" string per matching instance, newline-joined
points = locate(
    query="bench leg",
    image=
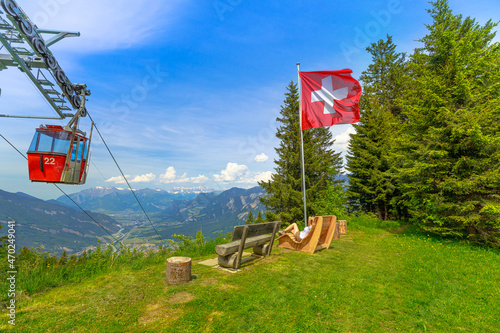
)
(261, 250)
(242, 247)
(228, 261)
(275, 230)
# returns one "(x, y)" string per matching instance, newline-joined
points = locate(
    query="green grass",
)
(370, 280)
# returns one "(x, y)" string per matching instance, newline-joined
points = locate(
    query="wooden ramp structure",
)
(323, 230)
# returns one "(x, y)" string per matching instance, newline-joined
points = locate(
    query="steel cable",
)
(60, 189)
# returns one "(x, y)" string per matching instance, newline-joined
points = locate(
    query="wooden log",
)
(178, 270)
(336, 233)
(228, 261)
(262, 250)
(232, 247)
(343, 227)
(231, 261)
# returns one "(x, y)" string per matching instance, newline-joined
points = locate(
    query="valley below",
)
(58, 225)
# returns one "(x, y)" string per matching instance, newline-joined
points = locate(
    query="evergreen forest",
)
(427, 148)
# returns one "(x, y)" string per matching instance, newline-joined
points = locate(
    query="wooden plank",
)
(327, 232)
(254, 230)
(232, 247)
(237, 232)
(249, 258)
(275, 230)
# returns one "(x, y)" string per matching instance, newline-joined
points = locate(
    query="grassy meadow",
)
(380, 277)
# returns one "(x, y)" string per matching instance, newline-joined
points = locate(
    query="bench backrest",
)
(253, 230)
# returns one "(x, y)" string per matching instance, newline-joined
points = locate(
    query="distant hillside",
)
(212, 213)
(53, 226)
(57, 226)
(110, 200)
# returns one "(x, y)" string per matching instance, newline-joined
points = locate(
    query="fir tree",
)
(250, 219)
(322, 164)
(259, 218)
(371, 184)
(450, 149)
(63, 259)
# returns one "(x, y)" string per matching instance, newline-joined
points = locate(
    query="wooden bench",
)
(259, 236)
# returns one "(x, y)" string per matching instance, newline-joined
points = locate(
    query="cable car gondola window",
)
(34, 142)
(51, 141)
(61, 142)
(73, 151)
(81, 150)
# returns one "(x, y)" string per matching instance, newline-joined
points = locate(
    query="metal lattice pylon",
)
(28, 51)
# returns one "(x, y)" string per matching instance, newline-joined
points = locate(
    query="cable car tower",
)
(57, 154)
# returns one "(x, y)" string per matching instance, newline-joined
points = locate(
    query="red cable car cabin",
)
(57, 155)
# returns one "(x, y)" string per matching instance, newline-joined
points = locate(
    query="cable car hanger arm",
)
(59, 35)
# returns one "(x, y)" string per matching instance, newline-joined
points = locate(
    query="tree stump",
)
(178, 270)
(343, 227)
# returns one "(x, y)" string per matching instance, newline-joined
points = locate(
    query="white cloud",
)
(105, 25)
(168, 176)
(233, 173)
(263, 176)
(117, 180)
(137, 179)
(261, 158)
(342, 139)
(144, 178)
(200, 179)
(182, 179)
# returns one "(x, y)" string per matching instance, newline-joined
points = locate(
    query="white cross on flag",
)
(329, 98)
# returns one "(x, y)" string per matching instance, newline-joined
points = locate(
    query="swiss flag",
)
(329, 98)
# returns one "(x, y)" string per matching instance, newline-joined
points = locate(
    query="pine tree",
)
(371, 184)
(259, 218)
(63, 259)
(250, 219)
(450, 145)
(322, 164)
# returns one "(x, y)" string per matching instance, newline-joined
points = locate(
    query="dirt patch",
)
(213, 315)
(227, 287)
(182, 297)
(400, 229)
(159, 311)
(209, 282)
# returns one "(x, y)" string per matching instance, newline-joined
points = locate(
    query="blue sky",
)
(186, 93)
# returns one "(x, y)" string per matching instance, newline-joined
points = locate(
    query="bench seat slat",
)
(232, 247)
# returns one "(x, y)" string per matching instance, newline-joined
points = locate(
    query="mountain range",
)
(53, 226)
(183, 212)
(112, 199)
(60, 225)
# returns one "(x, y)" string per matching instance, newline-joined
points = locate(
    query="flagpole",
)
(302, 149)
